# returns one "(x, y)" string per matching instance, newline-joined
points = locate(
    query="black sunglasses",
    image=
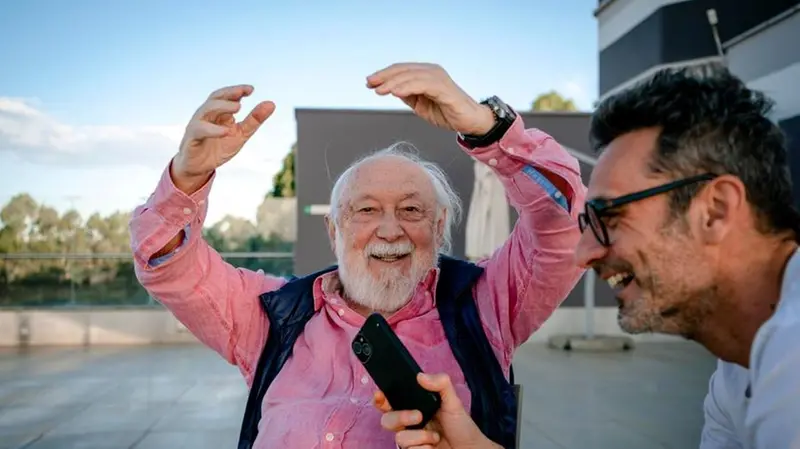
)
(596, 209)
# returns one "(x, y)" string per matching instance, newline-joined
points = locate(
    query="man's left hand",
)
(434, 96)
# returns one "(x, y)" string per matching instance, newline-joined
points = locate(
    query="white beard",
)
(387, 293)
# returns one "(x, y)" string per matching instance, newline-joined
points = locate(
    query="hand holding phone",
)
(393, 369)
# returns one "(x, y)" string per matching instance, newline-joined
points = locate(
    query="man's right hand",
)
(451, 428)
(213, 137)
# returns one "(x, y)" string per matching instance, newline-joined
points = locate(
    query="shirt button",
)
(510, 150)
(354, 400)
(340, 312)
(329, 437)
(557, 194)
(187, 211)
(201, 202)
(492, 162)
(364, 379)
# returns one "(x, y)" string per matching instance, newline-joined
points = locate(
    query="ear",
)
(330, 227)
(723, 205)
(440, 224)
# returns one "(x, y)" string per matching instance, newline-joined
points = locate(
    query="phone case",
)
(393, 368)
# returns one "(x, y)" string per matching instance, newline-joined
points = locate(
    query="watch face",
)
(500, 109)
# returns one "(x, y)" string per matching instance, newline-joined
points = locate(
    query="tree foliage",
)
(553, 101)
(33, 228)
(283, 185)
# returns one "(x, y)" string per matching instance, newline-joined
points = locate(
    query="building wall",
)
(329, 140)
(637, 37)
(791, 127)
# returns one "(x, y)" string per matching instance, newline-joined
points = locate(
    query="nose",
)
(589, 250)
(389, 228)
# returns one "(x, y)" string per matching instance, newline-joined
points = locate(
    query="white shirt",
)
(770, 417)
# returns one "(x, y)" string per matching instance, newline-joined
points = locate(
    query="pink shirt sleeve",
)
(217, 302)
(534, 270)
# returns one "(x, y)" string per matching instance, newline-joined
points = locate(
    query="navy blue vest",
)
(494, 404)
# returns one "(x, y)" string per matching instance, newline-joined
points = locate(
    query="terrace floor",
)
(175, 397)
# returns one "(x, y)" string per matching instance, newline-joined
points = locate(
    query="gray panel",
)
(680, 32)
(768, 51)
(791, 127)
(329, 140)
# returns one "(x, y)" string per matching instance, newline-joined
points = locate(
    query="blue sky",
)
(94, 94)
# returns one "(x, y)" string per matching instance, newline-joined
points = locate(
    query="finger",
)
(212, 109)
(199, 130)
(417, 438)
(256, 118)
(401, 78)
(415, 87)
(381, 76)
(399, 420)
(381, 403)
(233, 93)
(441, 383)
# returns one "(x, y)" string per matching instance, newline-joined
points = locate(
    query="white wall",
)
(92, 327)
(154, 326)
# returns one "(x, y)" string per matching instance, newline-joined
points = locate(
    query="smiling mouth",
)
(390, 258)
(619, 281)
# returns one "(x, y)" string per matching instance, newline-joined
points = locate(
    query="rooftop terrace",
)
(184, 396)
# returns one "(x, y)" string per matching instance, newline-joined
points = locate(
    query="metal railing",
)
(80, 280)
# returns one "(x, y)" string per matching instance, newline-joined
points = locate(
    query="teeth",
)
(388, 258)
(616, 280)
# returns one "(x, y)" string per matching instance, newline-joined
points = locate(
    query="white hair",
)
(446, 196)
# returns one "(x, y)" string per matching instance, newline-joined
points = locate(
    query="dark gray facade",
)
(329, 140)
(758, 39)
(669, 31)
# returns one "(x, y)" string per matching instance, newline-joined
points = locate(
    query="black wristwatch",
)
(504, 117)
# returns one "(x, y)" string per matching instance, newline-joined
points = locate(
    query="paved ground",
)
(157, 397)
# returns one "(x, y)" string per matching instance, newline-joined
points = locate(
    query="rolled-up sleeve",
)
(217, 302)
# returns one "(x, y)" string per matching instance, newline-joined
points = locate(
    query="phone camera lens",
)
(366, 349)
(357, 348)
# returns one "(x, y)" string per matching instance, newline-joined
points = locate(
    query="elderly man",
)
(690, 220)
(391, 216)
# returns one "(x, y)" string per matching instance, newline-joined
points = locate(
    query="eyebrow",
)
(367, 197)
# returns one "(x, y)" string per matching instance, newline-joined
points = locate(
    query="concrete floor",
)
(159, 396)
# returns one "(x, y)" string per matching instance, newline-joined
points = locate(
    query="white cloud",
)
(51, 159)
(34, 136)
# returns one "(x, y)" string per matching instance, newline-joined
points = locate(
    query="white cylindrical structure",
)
(588, 301)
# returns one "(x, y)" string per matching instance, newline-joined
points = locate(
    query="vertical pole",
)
(588, 301)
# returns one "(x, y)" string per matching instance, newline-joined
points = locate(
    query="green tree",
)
(283, 181)
(553, 101)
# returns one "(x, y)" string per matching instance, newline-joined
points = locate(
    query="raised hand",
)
(451, 428)
(434, 96)
(213, 137)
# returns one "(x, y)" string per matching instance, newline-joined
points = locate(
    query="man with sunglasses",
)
(690, 220)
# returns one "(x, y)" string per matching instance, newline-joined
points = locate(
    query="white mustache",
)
(389, 249)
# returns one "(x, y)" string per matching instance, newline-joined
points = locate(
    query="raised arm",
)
(217, 302)
(532, 273)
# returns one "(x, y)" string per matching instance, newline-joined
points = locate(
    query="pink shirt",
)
(323, 396)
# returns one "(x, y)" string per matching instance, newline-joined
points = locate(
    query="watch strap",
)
(504, 118)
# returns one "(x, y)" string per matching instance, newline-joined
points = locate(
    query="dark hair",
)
(709, 123)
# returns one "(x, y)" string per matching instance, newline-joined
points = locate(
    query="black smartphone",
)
(393, 369)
